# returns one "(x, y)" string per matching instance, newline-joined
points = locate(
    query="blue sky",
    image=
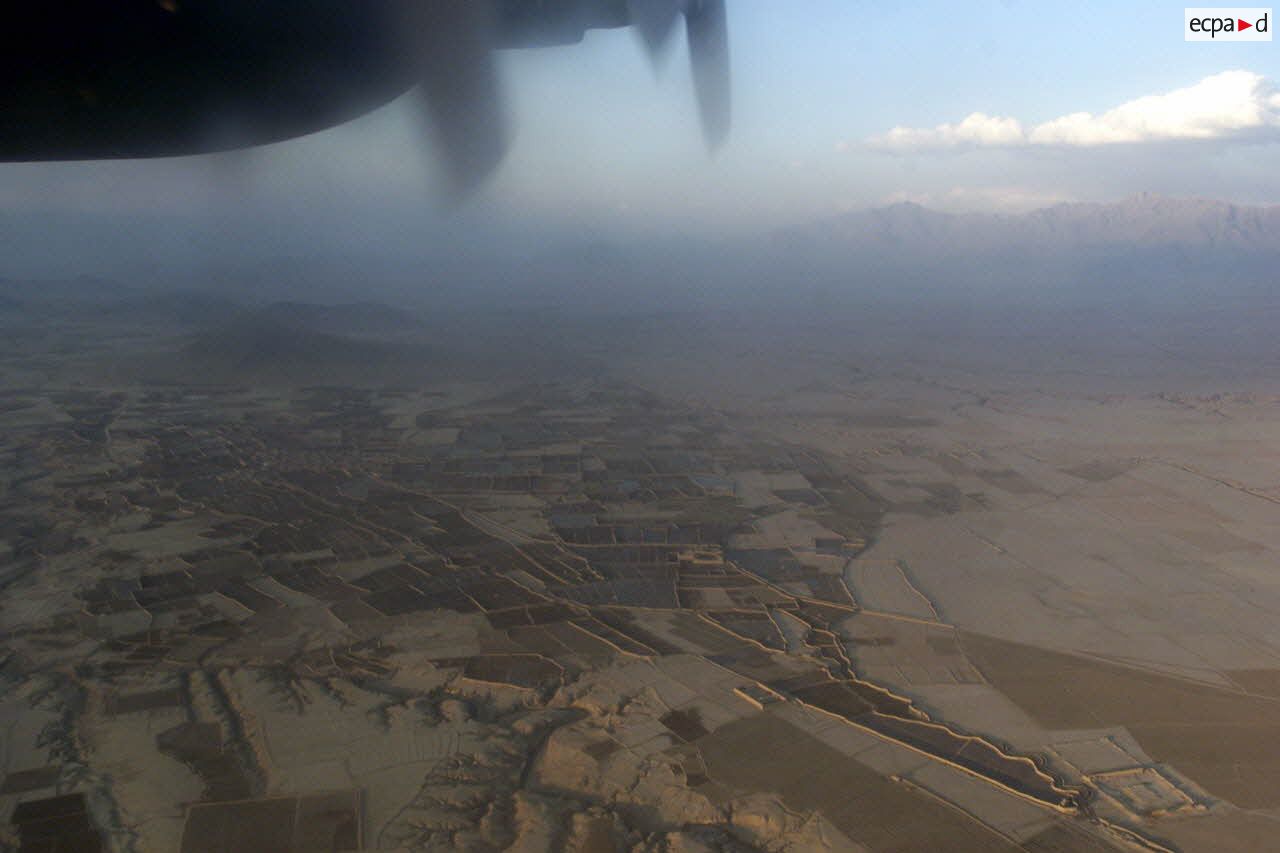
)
(815, 81)
(604, 142)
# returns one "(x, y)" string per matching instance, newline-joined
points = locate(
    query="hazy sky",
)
(838, 105)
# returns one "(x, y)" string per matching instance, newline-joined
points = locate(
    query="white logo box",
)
(1211, 24)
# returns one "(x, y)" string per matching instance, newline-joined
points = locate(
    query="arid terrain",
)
(843, 581)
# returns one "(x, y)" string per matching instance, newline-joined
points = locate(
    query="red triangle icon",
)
(1242, 24)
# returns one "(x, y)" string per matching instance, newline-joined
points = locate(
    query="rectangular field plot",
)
(311, 823)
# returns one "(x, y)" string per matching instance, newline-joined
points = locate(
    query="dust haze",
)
(649, 503)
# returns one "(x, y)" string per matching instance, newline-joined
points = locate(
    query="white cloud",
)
(1227, 106)
(975, 129)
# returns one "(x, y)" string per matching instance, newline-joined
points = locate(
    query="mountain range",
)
(1148, 249)
(1141, 221)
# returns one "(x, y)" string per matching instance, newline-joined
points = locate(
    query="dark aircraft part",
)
(654, 20)
(105, 79)
(549, 23)
(91, 79)
(460, 89)
(708, 34)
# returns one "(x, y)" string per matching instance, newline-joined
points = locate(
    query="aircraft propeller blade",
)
(654, 20)
(452, 43)
(708, 35)
(460, 88)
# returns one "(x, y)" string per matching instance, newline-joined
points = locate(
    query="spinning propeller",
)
(459, 79)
